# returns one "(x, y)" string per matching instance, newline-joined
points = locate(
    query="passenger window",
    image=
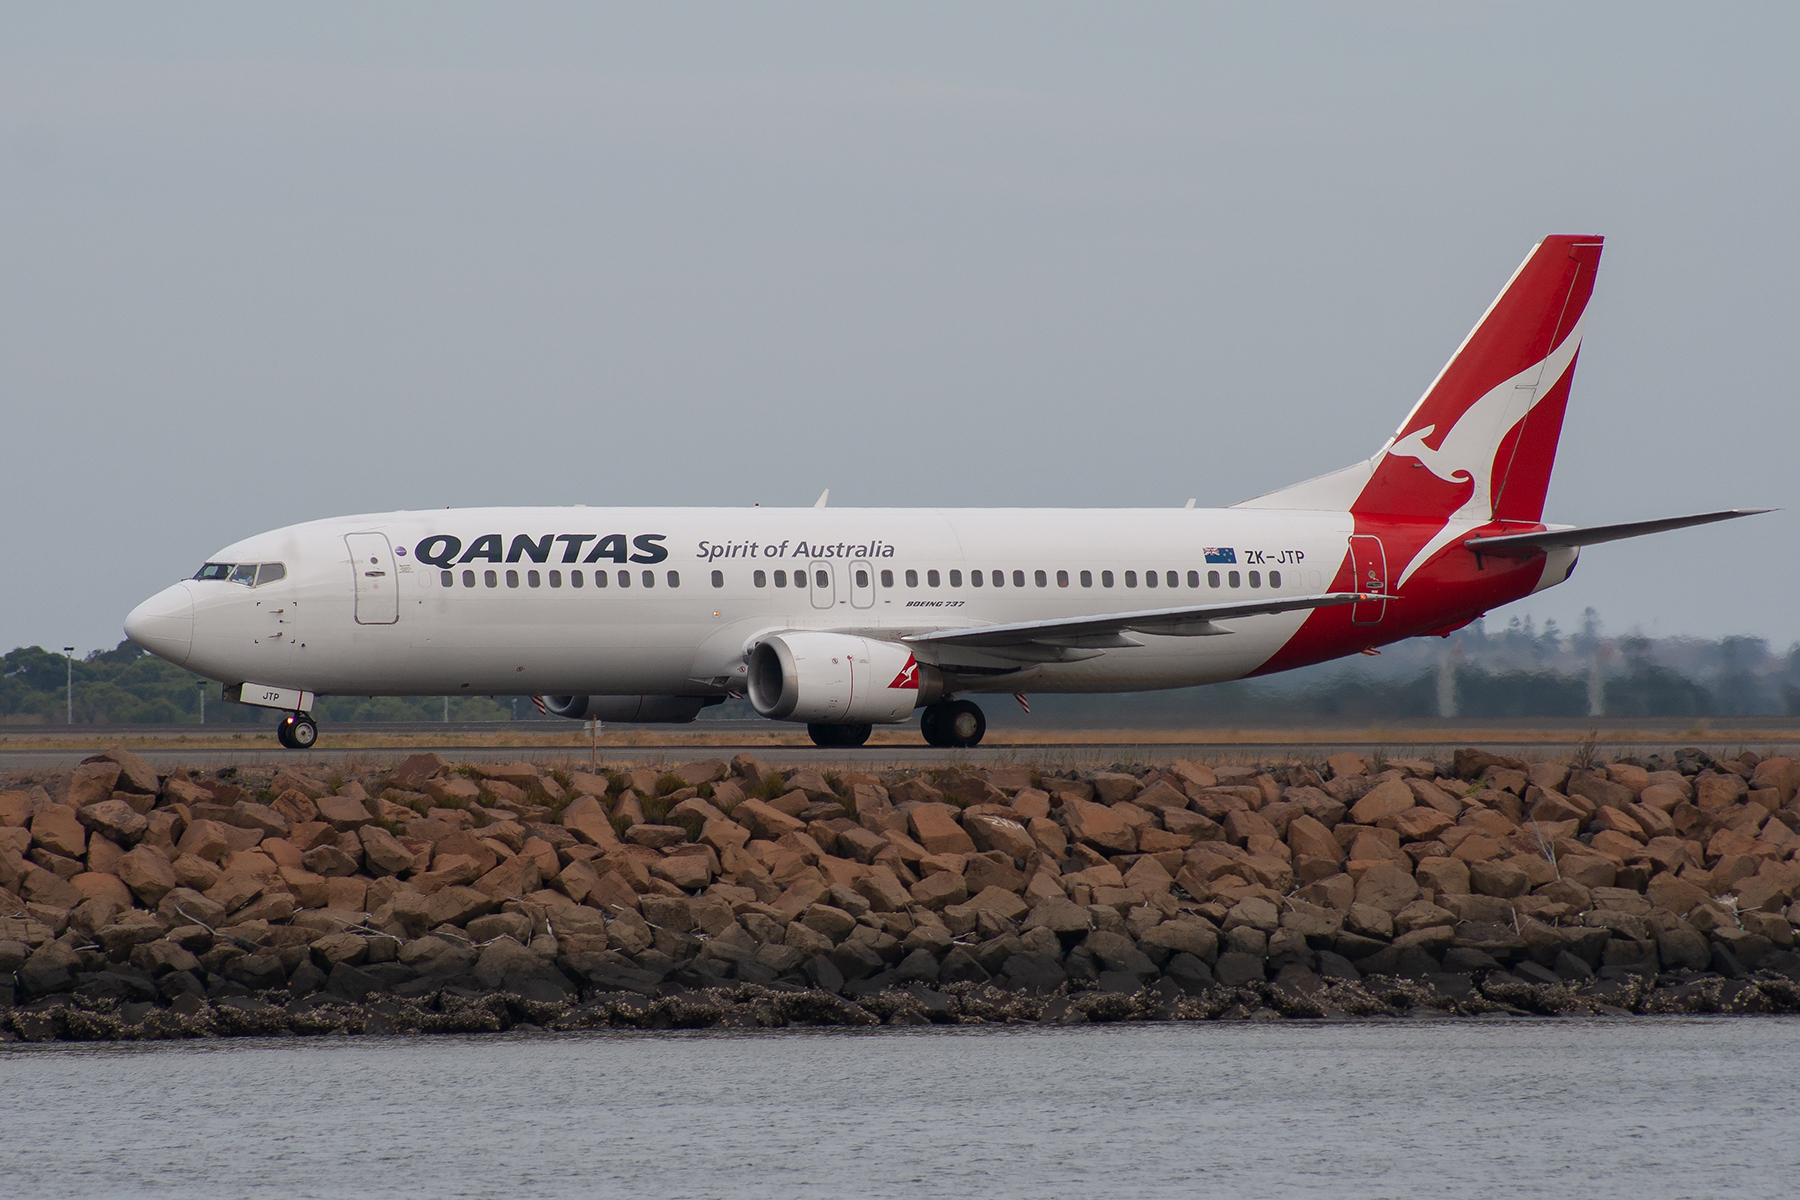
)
(1041, 579)
(1131, 579)
(449, 578)
(1018, 579)
(1106, 579)
(956, 579)
(1193, 579)
(468, 579)
(245, 574)
(781, 579)
(976, 578)
(491, 578)
(759, 578)
(574, 578)
(1256, 579)
(1087, 579)
(999, 578)
(718, 579)
(1174, 579)
(912, 579)
(821, 579)
(1231, 577)
(556, 579)
(931, 579)
(214, 571)
(862, 578)
(650, 579)
(269, 573)
(512, 579)
(534, 579)
(1150, 579)
(887, 579)
(1212, 579)
(599, 579)
(674, 579)
(1274, 579)
(1062, 579)
(624, 579)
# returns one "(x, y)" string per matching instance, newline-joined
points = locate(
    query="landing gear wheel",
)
(953, 724)
(839, 735)
(297, 731)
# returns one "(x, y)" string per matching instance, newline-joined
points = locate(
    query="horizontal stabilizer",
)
(1093, 632)
(1524, 545)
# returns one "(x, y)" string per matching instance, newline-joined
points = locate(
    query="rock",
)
(833, 923)
(115, 820)
(1112, 787)
(1237, 969)
(1116, 952)
(458, 905)
(1472, 763)
(1184, 935)
(941, 889)
(92, 781)
(1387, 886)
(1446, 876)
(1496, 878)
(987, 831)
(1387, 799)
(517, 926)
(1589, 871)
(383, 851)
(59, 831)
(936, 828)
(343, 813)
(766, 822)
(330, 861)
(1367, 920)
(1060, 916)
(148, 873)
(1255, 912)
(1099, 826)
(246, 814)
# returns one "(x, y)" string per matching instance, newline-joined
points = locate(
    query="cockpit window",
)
(248, 574)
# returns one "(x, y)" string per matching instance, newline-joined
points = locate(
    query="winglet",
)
(823, 496)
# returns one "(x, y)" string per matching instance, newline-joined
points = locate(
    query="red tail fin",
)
(1481, 441)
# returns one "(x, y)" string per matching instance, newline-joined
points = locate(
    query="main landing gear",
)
(297, 731)
(839, 735)
(952, 724)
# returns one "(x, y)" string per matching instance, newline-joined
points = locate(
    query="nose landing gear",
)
(297, 731)
(953, 724)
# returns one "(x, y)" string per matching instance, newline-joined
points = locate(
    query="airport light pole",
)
(69, 654)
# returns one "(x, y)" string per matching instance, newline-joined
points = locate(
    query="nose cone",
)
(164, 624)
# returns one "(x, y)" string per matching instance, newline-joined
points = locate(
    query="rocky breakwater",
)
(424, 897)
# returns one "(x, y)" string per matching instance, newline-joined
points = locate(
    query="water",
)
(1633, 1107)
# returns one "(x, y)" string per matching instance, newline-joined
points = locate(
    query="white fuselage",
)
(688, 591)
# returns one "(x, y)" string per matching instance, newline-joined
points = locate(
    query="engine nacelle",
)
(836, 679)
(643, 710)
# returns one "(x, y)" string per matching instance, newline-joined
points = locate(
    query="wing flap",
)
(1087, 632)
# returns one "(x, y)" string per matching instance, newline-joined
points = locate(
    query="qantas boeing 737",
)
(847, 618)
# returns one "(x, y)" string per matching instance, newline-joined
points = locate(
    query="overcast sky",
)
(263, 264)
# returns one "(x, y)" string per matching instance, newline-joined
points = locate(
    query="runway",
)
(59, 749)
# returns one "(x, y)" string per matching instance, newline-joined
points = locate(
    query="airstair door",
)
(377, 587)
(1369, 561)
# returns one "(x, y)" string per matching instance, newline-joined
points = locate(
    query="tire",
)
(931, 724)
(298, 732)
(839, 735)
(964, 724)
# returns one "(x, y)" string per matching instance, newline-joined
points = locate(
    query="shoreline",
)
(420, 895)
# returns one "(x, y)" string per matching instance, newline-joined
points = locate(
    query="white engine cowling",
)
(833, 679)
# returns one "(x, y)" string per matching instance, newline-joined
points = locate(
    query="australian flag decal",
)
(1220, 554)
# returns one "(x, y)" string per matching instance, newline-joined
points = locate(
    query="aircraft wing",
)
(1524, 545)
(1110, 629)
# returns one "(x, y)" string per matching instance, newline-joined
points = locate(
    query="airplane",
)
(844, 619)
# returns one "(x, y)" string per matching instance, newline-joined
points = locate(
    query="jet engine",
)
(645, 710)
(837, 679)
